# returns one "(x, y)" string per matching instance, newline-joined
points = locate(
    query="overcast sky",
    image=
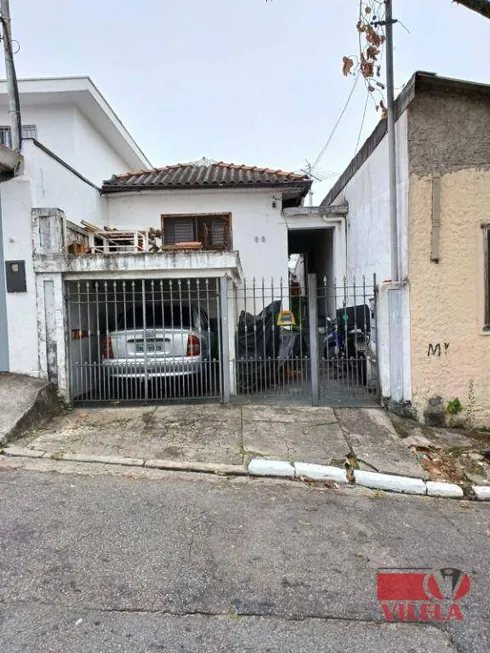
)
(239, 80)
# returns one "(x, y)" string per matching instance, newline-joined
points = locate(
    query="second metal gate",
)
(310, 345)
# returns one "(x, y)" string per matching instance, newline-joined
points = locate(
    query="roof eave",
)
(84, 94)
(304, 186)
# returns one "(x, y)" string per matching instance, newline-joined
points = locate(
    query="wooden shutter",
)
(178, 230)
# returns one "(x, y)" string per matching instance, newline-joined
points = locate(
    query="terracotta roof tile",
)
(204, 174)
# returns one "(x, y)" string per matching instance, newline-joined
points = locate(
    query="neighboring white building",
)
(72, 141)
(70, 117)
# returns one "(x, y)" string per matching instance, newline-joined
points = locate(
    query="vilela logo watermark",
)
(422, 594)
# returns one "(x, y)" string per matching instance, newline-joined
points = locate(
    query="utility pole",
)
(396, 295)
(12, 90)
(308, 170)
(390, 97)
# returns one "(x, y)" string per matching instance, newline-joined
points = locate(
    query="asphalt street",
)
(99, 563)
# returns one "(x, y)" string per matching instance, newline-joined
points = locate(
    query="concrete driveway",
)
(205, 433)
(228, 435)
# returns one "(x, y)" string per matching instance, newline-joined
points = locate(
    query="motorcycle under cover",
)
(355, 316)
(257, 335)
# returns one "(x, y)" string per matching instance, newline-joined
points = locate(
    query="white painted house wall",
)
(75, 121)
(54, 185)
(16, 206)
(55, 108)
(259, 231)
(55, 126)
(94, 157)
(368, 249)
(46, 183)
(368, 220)
(66, 131)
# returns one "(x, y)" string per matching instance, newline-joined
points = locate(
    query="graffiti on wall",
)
(436, 350)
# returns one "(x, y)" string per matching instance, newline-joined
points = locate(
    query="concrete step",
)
(25, 403)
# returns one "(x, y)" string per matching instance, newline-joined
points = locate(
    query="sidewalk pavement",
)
(232, 435)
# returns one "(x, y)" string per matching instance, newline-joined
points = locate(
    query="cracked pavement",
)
(143, 562)
(230, 434)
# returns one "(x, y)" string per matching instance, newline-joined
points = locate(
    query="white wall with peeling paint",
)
(259, 231)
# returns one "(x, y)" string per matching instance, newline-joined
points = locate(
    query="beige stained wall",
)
(450, 349)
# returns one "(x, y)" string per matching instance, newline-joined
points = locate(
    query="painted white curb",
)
(280, 468)
(482, 492)
(320, 472)
(262, 467)
(390, 483)
(437, 489)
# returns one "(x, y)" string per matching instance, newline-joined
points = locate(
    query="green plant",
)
(470, 409)
(454, 406)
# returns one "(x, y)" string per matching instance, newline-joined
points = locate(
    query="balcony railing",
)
(54, 234)
(63, 246)
(104, 240)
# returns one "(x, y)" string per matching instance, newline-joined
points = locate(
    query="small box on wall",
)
(15, 276)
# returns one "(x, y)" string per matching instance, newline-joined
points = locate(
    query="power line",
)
(362, 122)
(324, 149)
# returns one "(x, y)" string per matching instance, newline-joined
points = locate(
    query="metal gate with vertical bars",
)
(313, 344)
(157, 340)
(144, 340)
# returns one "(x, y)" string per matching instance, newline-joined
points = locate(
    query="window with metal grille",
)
(211, 231)
(5, 137)
(218, 233)
(28, 131)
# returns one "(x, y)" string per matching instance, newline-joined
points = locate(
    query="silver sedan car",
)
(151, 341)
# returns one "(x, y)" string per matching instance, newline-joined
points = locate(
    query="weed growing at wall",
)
(454, 407)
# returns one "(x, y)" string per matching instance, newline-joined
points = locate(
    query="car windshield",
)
(156, 316)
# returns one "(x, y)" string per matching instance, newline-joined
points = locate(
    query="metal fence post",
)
(225, 341)
(313, 337)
